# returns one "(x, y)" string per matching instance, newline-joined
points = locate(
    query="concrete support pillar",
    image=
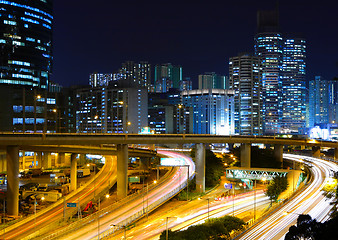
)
(46, 160)
(61, 159)
(278, 153)
(73, 172)
(231, 146)
(68, 160)
(316, 151)
(13, 180)
(246, 155)
(23, 160)
(336, 154)
(200, 167)
(122, 168)
(144, 163)
(38, 160)
(3, 162)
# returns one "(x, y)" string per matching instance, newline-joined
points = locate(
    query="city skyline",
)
(199, 37)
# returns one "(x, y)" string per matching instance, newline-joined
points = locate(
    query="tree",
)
(330, 191)
(276, 187)
(215, 228)
(214, 169)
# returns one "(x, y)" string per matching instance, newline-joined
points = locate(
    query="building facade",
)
(111, 110)
(100, 79)
(211, 80)
(283, 69)
(134, 74)
(26, 42)
(167, 76)
(213, 110)
(294, 89)
(245, 81)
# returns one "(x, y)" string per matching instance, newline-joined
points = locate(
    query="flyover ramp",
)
(309, 201)
(134, 206)
(48, 219)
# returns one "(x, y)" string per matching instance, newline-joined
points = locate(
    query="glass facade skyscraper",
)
(245, 80)
(293, 86)
(283, 76)
(26, 42)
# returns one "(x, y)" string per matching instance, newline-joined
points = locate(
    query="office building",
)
(211, 80)
(213, 110)
(28, 111)
(269, 47)
(294, 89)
(283, 71)
(111, 110)
(167, 115)
(245, 81)
(134, 74)
(26, 43)
(322, 102)
(167, 76)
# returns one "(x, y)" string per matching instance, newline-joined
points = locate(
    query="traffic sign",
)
(70, 204)
(227, 185)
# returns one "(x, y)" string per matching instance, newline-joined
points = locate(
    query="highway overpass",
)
(12, 143)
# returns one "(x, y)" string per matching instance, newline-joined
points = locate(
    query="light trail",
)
(132, 208)
(310, 201)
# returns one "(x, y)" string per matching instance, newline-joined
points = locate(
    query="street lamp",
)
(166, 227)
(255, 201)
(208, 207)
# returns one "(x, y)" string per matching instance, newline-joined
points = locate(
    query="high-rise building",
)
(186, 84)
(167, 76)
(111, 110)
(134, 75)
(294, 90)
(211, 80)
(26, 42)
(283, 76)
(245, 81)
(165, 117)
(100, 79)
(213, 110)
(333, 101)
(269, 47)
(319, 91)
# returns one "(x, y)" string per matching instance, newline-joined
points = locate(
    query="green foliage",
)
(330, 191)
(214, 169)
(215, 228)
(276, 187)
(308, 228)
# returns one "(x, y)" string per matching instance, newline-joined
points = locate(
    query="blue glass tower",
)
(26, 42)
(269, 47)
(294, 86)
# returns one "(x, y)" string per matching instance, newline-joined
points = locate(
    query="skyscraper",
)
(293, 86)
(26, 42)
(283, 70)
(135, 75)
(269, 47)
(167, 76)
(211, 80)
(245, 81)
(319, 101)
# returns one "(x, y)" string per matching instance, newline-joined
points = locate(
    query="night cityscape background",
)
(199, 36)
(149, 101)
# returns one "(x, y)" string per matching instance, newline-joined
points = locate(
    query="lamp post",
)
(166, 227)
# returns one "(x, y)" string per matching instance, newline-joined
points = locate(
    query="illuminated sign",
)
(172, 161)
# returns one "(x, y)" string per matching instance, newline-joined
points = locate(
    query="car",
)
(29, 186)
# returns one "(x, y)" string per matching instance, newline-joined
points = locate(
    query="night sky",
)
(97, 36)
